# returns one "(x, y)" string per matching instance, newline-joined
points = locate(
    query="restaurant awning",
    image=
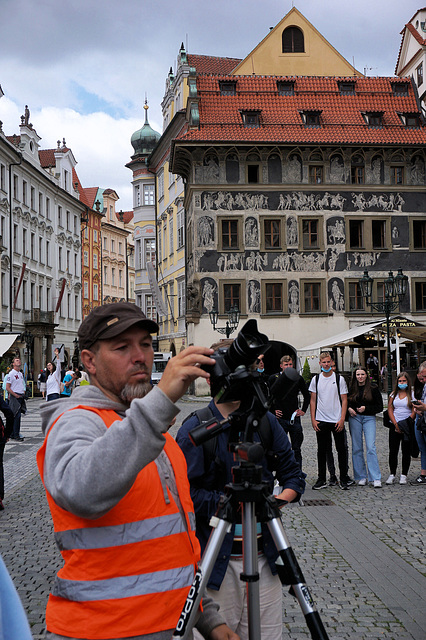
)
(6, 341)
(406, 327)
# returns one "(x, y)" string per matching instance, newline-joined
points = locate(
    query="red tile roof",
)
(47, 156)
(341, 117)
(212, 64)
(127, 216)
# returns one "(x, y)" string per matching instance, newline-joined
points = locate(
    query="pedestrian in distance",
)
(287, 410)
(15, 387)
(117, 488)
(5, 432)
(209, 471)
(68, 382)
(53, 381)
(364, 402)
(333, 481)
(41, 382)
(420, 426)
(329, 401)
(400, 407)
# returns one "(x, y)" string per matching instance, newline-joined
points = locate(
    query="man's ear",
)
(88, 360)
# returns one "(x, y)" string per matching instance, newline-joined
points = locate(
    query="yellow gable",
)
(295, 48)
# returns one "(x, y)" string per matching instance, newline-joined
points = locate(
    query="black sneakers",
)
(333, 481)
(320, 484)
(419, 480)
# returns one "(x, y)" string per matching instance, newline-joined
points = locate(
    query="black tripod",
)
(253, 495)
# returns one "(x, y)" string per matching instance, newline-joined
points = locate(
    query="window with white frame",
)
(149, 251)
(171, 239)
(161, 185)
(180, 219)
(95, 260)
(95, 292)
(3, 177)
(113, 276)
(105, 274)
(149, 194)
(86, 258)
(150, 310)
(181, 297)
(86, 289)
(137, 194)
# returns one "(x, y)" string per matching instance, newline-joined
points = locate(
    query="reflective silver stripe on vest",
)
(118, 535)
(125, 586)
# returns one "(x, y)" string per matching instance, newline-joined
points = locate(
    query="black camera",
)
(229, 373)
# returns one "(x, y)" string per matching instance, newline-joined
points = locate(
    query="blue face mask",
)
(326, 370)
(402, 386)
(260, 370)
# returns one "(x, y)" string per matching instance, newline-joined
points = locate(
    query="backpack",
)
(210, 447)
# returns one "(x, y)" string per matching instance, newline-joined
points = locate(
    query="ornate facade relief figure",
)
(293, 297)
(336, 300)
(336, 231)
(211, 169)
(209, 294)
(335, 252)
(365, 259)
(293, 169)
(337, 170)
(193, 298)
(292, 232)
(359, 201)
(254, 296)
(205, 231)
(417, 171)
(251, 232)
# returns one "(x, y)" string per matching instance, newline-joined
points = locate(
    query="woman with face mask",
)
(364, 401)
(400, 407)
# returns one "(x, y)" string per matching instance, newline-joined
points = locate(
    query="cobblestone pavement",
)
(361, 551)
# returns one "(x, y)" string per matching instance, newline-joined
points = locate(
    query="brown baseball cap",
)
(109, 320)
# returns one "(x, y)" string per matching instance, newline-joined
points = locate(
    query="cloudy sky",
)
(85, 66)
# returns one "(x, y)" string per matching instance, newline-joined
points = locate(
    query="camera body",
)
(230, 371)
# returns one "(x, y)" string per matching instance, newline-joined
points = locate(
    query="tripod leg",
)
(250, 573)
(189, 612)
(291, 574)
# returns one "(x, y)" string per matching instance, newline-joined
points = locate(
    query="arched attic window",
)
(293, 40)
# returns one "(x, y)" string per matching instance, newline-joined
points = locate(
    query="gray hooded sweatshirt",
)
(88, 468)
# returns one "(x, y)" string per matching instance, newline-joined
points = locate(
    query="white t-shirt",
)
(16, 381)
(401, 409)
(329, 408)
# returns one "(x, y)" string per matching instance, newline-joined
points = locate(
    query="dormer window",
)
(399, 89)
(285, 88)
(228, 88)
(374, 119)
(311, 118)
(251, 118)
(346, 88)
(410, 120)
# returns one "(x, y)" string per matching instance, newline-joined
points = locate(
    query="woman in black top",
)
(364, 401)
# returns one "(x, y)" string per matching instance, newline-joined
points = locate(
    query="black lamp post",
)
(28, 338)
(76, 354)
(395, 290)
(231, 323)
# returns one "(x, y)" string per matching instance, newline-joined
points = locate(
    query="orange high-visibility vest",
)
(128, 572)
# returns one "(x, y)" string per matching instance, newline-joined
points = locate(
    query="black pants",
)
(295, 432)
(330, 458)
(396, 439)
(2, 446)
(324, 442)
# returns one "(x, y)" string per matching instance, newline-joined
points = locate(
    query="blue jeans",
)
(421, 441)
(366, 425)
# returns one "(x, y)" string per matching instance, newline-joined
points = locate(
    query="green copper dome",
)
(144, 140)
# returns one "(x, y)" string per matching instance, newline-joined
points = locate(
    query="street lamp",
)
(28, 338)
(395, 290)
(231, 323)
(76, 354)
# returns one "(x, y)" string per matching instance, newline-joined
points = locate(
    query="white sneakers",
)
(402, 479)
(377, 484)
(362, 482)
